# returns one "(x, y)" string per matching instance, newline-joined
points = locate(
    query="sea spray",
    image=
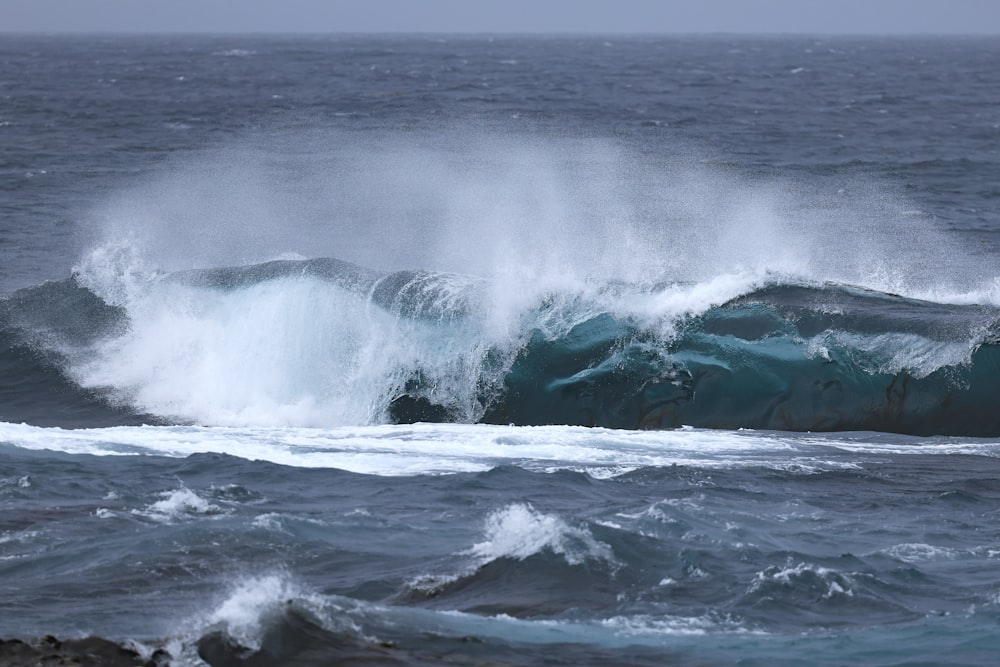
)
(522, 209)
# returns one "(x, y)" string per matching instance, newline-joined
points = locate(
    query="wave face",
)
(785, 356)
(324, 342)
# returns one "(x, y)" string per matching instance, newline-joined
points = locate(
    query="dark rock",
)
(295, 640)
(86, 652)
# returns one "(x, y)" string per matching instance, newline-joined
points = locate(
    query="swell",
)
(786, 355)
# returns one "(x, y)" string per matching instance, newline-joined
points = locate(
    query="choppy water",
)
(701, 333)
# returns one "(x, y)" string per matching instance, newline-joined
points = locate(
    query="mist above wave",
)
(522, 209)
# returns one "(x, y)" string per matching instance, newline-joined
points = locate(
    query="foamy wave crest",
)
(234, 53)
(291, 351)
(177, 505)
(915, 552)
(518, 531)
(644, 625)
(802, 579)
(255, 603)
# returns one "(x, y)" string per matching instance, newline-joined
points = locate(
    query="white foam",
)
(287, 352)
(665, 626)
(915, 552)
(837, 584)
(660, 309)
(234, 53)
(449, 448)
(21, 536)
(986, 291)
(943, 446)
(18, 544)
(519, 531)
(276, 521)
(22, 482)
(182, 503)
(617, 631)
(269, 521)
(894, 352)
(253, 602)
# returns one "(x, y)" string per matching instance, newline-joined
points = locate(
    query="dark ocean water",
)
(439, 350)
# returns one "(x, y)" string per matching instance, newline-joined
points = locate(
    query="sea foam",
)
(519, 531)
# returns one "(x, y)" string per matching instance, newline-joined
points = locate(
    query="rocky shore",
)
(87, 652)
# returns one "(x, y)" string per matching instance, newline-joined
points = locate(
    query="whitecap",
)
(631, 626)
(519, 531)
(250, 605)
(179, 504)
(792, 576)
(914, 552)
(235, 53)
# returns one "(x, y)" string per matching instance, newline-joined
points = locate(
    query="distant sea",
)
(420, 350)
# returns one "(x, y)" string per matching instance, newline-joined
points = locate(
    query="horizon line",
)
(486, 33)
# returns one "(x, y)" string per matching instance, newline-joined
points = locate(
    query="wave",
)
(323, 342)
(270, 620)
(524, 554)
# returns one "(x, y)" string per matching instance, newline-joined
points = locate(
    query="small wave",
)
(278, 522)
(21, 536)
(20, 544)
(235, 53)
(519, 531)
(813, 581)
(21, 482)
(269, 521)
(178, 505)
(255, 602)
(513, 572)
(643, 625)
(917, 552)
(272, 620)
(809, 593)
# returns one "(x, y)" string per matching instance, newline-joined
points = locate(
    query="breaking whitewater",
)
(485, 391)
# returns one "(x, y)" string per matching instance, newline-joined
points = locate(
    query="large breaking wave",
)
(323, 342)
(547, 280)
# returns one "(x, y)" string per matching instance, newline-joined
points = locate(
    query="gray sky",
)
(494, 16)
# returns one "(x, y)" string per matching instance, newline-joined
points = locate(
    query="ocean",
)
(501, 350)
